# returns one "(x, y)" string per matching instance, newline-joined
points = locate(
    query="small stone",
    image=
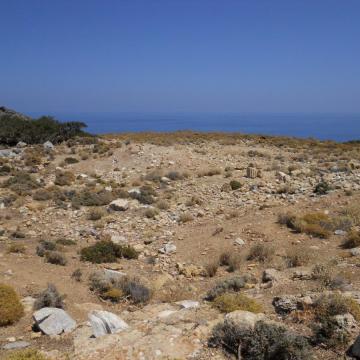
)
(188, 304)
(119, 205)
(355, 251)
(168, 248)
(239, 242)
(16, 345)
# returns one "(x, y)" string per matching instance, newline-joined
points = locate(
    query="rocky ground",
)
(181, 202)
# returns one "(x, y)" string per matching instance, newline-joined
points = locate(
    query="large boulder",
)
(53, 321)
(104, 322)
(48, 145)
(285, 304)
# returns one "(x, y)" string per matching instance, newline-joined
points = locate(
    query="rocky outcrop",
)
(104, 322)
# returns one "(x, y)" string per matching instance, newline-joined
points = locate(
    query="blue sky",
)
(180, 55)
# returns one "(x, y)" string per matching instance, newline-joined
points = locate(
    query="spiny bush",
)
(352, 240)
(17, 248)
(55, 258)
(28, 354)
(229, 302)
(162, 205)
(151, 213)
(42, 195)
(64, 178)
(145, 196)
(106, 251)
(267, 341)
(209, 172)
(44, 246)
(15, 129)
(95, 214)
(113, 294)
(21, 183)
(50, 297)
(137, 291)
(261, 252)
(76, 275)
(234, 262)
(234, 284)
(211, 268)
(174, 175)
(297, 257)
(185, 217)
(322, 188)
(11, 309)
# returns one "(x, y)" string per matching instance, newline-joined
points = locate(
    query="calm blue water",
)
(339, 127)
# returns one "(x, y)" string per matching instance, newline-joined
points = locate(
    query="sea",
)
(338, 127)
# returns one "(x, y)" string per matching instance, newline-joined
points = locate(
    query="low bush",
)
(234, 262)
(21, 183)
(5, 170)
(92, 198)
(297, 257)
(162, 205)
(151, 213)
(28, 354)
(211, 268)
(266, 341)
(44, 246)
(11, 309)
(77, 275)
(65, 242)
(17, 248)
(55, 258)
(137, 291)
(352, 240)
(95, 214)
(261, 252)
(322, 188)
(42, 195)
(50, 297)
(209, 172)
(106, 251)
(185, 217)
(70, 160)
(229, 302)
(113, 294)
(64, 178)
(235, 185)
(234, 284)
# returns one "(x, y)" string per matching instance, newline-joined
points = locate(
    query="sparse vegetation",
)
(28, 354)
(55, 258)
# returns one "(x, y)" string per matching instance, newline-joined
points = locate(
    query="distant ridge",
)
(4, 111)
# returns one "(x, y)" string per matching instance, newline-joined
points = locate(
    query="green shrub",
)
(229, 302)
(14, 129)
(50, 297)
(107, 251)
(267, 341)
(28, 354)
(11, 309)
(235, 185)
